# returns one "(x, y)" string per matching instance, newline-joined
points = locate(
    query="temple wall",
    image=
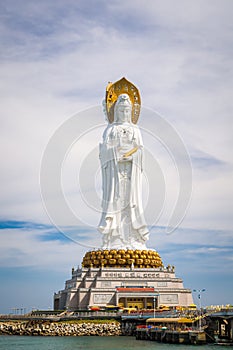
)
(103, 286)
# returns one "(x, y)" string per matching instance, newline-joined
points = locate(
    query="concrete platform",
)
(140, 288)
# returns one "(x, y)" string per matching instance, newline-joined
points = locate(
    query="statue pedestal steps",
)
(126, 286)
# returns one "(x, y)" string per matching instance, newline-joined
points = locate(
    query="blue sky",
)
(56, 59)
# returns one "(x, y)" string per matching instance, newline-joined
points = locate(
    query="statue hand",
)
(126, 159)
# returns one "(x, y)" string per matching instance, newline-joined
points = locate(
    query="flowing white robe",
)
(122, 222)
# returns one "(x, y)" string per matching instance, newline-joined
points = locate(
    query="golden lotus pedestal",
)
(122, 258)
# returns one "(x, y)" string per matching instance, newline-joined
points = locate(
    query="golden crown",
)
(122, 86)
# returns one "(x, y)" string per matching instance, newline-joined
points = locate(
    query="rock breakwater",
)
(46, 328)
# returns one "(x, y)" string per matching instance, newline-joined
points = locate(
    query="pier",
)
(222, 322)
(169, 336)
(171, 326)
(176, 330)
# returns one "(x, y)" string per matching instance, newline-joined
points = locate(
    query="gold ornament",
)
(122, 258)
(122, 86)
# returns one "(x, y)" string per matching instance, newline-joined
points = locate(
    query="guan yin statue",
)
(123, 273)
(122, 223)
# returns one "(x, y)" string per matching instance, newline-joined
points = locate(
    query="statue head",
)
(123, 109)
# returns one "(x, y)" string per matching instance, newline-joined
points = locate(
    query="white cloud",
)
(179, 56)
(45, 249)
(36, 249)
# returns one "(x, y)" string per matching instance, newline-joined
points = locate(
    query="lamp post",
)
(154, 305)
(154, 298)
(199, 291)
(154, 295)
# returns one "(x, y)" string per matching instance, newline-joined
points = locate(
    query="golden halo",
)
(122, 86)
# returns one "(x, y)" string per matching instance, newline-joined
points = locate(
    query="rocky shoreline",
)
(47, 328)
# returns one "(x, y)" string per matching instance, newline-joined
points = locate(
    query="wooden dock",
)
(169, 336)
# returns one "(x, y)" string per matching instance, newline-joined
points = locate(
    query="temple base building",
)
(134, 279)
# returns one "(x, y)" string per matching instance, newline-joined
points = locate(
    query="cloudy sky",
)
(56, 60)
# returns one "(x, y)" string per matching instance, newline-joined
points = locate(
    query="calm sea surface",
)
(86, 343)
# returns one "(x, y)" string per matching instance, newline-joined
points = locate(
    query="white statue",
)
(122, 223)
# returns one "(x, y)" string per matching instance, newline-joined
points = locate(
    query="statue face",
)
(123, 114)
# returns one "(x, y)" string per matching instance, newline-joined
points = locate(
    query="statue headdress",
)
(122, 86)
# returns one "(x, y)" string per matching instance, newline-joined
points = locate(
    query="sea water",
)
(90, 343)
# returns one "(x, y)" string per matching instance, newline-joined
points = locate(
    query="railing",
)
(63, 315)
(93, 314)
